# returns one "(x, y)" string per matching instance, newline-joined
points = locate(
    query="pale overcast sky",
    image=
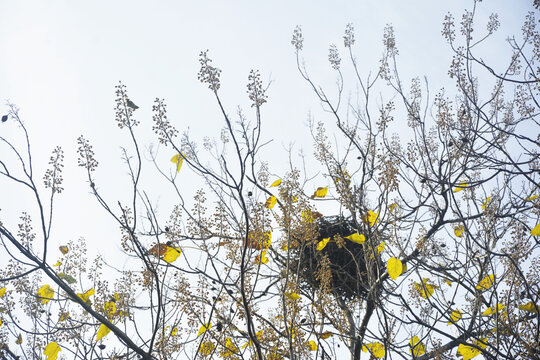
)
(60, 61)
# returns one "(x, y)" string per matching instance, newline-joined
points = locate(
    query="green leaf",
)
(67, 278)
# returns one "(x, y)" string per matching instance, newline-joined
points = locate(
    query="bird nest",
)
(349, 263)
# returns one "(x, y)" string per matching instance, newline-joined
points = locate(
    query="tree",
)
(423, 247)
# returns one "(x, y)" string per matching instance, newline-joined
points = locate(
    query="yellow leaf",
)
(174, 331)
(486, 202)
(394, 267)
(51, 350)
(322, 244)
(276, 183)
(380, 248)
(258, 334)
(459, 230)
(531, 198)
(492, 310)
(373, 217)
(231, 348)
(270, 202)
(2, 291)
(267, 240)
(19, 340)
(454, 317)
(262, 258)
(536, 230)
(110, 307)
(377, 349)
(207, 348)
(485, 283)
(417, 348)
(63, 249)
(460, 187)
(320, 192)
(357, 238)
(90, 292)
(45, 293)
(312, 345)
(102, 332)
(448, 282)
(529, 307)
(203, 329)
(468, 352)
(171, 254)
(0, 322)
(326, 335)
(85, 296)
(292, 296)
(178, 159)
(424, 288)
(58, 263)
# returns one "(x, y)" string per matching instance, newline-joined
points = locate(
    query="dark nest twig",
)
(349, 263)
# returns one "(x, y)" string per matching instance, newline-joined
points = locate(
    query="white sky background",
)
(60, 61)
